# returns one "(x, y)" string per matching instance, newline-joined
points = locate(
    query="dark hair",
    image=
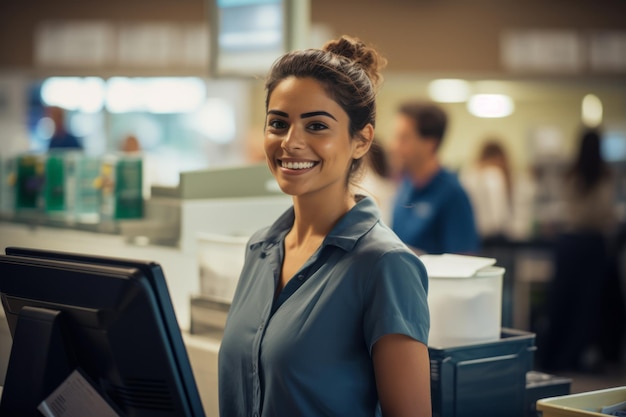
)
(589, 166)
(430, 120)
(378, 159)
(348, 69)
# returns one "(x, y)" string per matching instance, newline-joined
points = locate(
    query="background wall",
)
(416, 35)
(19, 21)
(457, 35)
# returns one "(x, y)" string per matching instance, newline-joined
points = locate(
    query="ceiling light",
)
(449, 90)
(591, 111)
(74, 93)
(490, 105)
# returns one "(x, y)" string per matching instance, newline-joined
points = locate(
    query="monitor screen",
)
(247, 36)
(116, 324)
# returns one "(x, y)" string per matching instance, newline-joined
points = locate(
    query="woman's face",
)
(307, 142)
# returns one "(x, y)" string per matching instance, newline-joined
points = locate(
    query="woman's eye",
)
(317, 126)
(277, 124)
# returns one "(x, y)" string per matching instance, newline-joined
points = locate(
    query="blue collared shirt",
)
(64, 141)
(436, 218)
(308, 353)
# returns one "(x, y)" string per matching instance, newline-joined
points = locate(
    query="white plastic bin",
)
(464, 298)
(220, 260)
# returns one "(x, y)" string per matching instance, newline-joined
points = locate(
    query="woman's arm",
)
(402, 369)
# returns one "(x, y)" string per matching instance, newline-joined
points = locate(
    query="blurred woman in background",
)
(581, 261)
(502, 201)
(488, 183)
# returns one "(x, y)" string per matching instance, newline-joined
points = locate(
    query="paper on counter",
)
(615, 410)
(76, 397)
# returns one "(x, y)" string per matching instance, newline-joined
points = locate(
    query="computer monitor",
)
(111, 318)
(247, 36)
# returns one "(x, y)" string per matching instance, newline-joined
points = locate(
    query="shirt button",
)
(300, 277)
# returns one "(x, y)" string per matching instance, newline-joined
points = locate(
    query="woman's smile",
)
(290, 166)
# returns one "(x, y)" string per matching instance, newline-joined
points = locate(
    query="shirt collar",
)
(352, 226)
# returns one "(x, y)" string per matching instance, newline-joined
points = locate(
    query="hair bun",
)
(361, 54)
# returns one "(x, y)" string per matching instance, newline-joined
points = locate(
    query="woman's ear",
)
(363, 141)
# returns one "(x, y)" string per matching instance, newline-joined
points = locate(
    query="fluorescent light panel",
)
(490, 105)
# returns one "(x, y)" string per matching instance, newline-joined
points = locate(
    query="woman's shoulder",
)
(384, 260)
(382, 243)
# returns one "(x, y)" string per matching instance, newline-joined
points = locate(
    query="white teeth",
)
(297, 165)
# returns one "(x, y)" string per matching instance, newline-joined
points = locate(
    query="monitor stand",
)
(38, 364)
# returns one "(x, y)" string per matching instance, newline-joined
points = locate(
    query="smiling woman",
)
(330, 314)
(309, 150)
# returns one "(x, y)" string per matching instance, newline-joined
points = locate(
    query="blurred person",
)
(151, 166)
(330, 315)
(432, 212)
(130, 144)
(581, 263)
(489, 185)
(502, 200)
(61, 138)
(503, 206)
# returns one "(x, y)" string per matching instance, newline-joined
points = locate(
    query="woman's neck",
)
(315, 217)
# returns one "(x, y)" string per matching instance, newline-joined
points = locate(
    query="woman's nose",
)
(293, 139)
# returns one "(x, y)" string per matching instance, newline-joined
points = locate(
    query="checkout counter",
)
(209, 216)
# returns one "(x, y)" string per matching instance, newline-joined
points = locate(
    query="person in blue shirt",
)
(432, 212)
(61, 139)
(330, 315)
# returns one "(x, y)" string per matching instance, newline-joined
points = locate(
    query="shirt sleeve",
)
(396, 301)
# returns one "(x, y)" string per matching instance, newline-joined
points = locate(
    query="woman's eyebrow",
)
(303, 115)
(278, 113)
(317, 113)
